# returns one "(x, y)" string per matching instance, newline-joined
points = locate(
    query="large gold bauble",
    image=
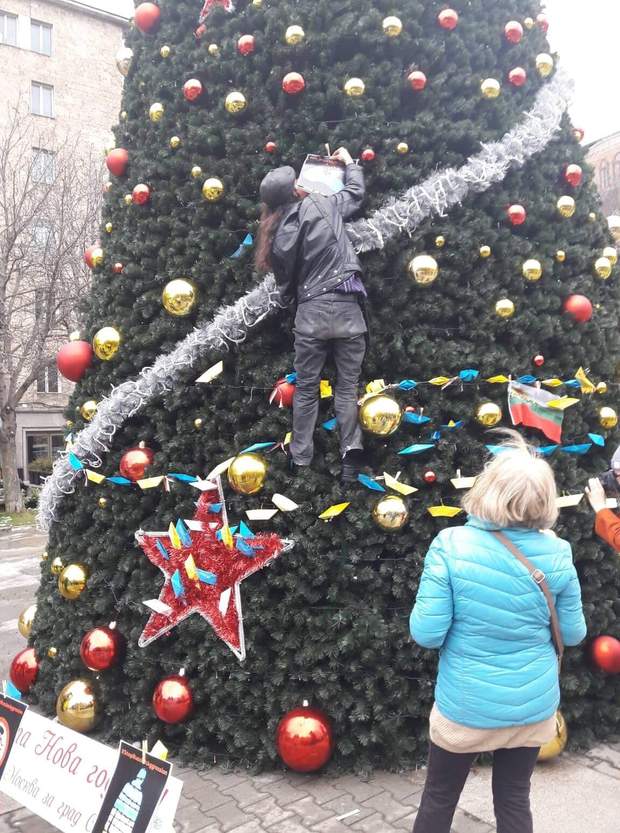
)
(294, 35)
(424, 269)
(354, 87)
(235, 102)
(52, 652)
(485, 251)
(440, 241)
(392, 26)
(156, 112)
(196, 172)
(566, 206)
(490, 88)
(25, 621)
(390, 512)
(544, 64)
(613, 221)
(608, 418)
(213, 50)
(72, 581)
(505, 308)
(179, 297)
(603, 268)
(488, 414)
(532, 270)
(88, 410)
(402, 148)
(77, 707)
(165, 51)
(175, 142)
(611, 253)
(601, 388)
(247, 473)
(213, 189)
(124, 57)
(56, 567)
(106, 342)
(552, 748)
(380, 414)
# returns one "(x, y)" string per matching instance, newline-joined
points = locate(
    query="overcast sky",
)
(587, 38)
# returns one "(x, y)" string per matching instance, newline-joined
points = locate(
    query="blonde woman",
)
(498, 683)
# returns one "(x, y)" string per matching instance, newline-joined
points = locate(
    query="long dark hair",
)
(269, 222)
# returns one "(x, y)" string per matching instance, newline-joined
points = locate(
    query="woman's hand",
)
(596, 494)
(343, 155)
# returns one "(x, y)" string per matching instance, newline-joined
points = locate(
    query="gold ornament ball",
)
(392, 26)
(380, 415)
(488, 414)
(544, 64)
(566, 206)
(213, 49)
(75, 336)
(402, 148)
(608, 418)
(106, 342)
(165, 51)
(390, 513)
(490, 88)
(72, 581)
(440, 241)
(532, 270)
(235, 102)
(198, 423)
(52, 652)
(354, 87)
(128, 199)
(88, 410)
(424, 269)
(560, 256)
(611, 254)
(603, 268)
(505, 308)
(601, 388)
(123, 115)
(25, 621)
(77, 707)
(175, 142)
(592, 216)
(614, 226)
(247, 473)
(213, 189)
(156, 112)
(258, 4)
(109, 228)
(294, 35)
(179, 297)
(557, 744)
(529, 23)
(102, 502)
(485, 251)
(196, 172)
(56, 567)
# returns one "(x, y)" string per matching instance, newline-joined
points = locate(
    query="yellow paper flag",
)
(227, 536)
(150, 482)
(376, 386)
(586, 384)
(190, 568)
(174, 537)
(563, 403)
(444, 511)
(288, 438)
(326, 389)
(94, 476)
(498, 380)
(439, 381)
(397, 486)
(334, 511)
(160, 751)
(553, 383)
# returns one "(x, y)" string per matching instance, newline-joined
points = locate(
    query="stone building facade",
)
(604, 156)
(58, 58)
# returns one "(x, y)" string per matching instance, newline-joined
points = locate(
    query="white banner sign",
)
(62, 776)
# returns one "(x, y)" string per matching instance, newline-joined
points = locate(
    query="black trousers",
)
(447, 773)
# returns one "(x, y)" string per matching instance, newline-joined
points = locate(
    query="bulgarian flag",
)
(531, 406)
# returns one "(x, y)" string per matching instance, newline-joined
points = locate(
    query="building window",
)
(616, 169)
(605, 180)
(41, 451)
(42, 100)
(8, 28)
(48, 381)
(43, 166)
(41, 37)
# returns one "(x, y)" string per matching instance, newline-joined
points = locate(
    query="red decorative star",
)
(213, 588)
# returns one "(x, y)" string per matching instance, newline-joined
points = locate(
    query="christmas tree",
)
(489, 269)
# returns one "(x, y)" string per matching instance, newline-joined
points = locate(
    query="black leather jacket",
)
(311, 251)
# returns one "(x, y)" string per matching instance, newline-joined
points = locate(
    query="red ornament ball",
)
(135, 461)
(579, 307)
(539, 360)
(283, 394)
(516, 214)
(246, 44)
(513, 31)
(101, 648)
(517, 76)
(141, 194)
(448, 19)
(574, 175)
(73, 359)
(24, 670)
(271, 147)
(605, 652)
(543, 22)
(293, 83)
(304, 739)
(430, 476)
(172, 699)
(192, 89)
(417, 80)
(117, 161)
(93, 256)
(118, 268)
(368, 155)
(147, 16)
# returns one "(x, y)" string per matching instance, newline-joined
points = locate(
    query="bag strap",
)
(541, 581)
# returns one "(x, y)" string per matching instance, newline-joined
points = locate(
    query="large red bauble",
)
(573, 175)
(517, 76)
(304, 739)
(283, 394)
(270, 147)
(293, 83)
(448, 19)
(605, 652)
(430, 476)
(117, 161)
(73, 359)
(146, 16)
(93, 256)
(543, 22)
(141, 194)
(246, 44)
(24, 670)
(135, 461)
(579, 307)
(516, 214)
(513, 31)
(192, 89)
(101, 648)
(368, 155)
(172, 699)
(539, 360)
(417, 80)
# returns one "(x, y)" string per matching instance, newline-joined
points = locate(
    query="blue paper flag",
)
(177, 584)
(497, 449)
(120, 481)
(469, 375)
(183, 533)
(454, 426)
(245, 531)
(215, 508)
(162, 549)
(12, 691)
(75, 462)
(407, 384)
(219, 536)
(573, 383)
(416, 419)
(370, 483)
(245, 549)
(417, 449)
(527, 380)
(547, 450)
(184, 478)
(330, 425)
(205, 577)
(246, 243)
(597, 439)
(583, 448)
(436, 435)
(257, 447)
(291, 378)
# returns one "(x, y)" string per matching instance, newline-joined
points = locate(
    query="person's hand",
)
(342, 155)
(596, 494)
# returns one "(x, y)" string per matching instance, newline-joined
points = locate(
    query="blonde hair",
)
(516, 488)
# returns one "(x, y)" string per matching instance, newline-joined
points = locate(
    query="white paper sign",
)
(62, 776)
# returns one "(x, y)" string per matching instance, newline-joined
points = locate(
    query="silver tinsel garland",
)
(434, 196)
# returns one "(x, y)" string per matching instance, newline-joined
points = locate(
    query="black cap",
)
(277, 187)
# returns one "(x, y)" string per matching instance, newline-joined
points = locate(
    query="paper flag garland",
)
(284, 504)
(333, 511)
(211, 374)
(444, 511)
(395, 484)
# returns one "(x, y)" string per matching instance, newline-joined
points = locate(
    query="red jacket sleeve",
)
(607, 527)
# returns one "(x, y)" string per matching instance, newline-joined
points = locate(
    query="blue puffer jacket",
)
(479, 605)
